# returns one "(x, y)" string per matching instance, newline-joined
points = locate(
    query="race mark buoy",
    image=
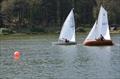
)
(16, 55)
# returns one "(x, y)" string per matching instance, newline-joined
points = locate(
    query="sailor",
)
(67, 41)
(101, 37)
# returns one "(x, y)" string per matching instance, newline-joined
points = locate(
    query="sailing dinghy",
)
(99, 34)
(67, 34)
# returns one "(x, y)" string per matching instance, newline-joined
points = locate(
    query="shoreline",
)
(30, 35)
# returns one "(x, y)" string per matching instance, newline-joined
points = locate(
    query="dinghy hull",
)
(98, 43)
(63, 43)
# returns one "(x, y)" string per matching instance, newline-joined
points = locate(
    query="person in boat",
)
(66, 41)
(101, 37)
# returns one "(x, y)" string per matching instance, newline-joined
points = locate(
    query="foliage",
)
(31, 14)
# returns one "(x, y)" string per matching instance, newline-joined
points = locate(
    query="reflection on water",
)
(42, 60)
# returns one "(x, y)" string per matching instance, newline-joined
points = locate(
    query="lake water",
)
(42, 60)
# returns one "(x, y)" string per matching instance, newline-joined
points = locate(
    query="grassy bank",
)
(14, 36)
(30, 35)
(24, 35)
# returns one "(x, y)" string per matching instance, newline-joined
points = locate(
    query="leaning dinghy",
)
(67, 34)
(100, 27)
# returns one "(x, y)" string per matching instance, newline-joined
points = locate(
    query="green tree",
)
(45, 14)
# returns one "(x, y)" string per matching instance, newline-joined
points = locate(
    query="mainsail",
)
(68, 28)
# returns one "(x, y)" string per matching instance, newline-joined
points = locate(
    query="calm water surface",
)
(42, 60)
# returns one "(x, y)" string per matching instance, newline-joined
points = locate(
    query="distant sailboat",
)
(99, 34)
(67, 34)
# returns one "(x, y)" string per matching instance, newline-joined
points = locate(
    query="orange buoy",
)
(16, 55)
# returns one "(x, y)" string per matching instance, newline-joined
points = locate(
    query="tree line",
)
(46, 15)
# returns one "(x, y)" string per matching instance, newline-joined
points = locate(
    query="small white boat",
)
(100, 29)
(67, 34)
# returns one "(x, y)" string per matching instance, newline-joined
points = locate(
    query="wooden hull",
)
(63, 43)
(98, 43)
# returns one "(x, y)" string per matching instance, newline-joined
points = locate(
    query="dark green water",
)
(42, 60)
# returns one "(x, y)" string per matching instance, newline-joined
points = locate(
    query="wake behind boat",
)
(99, 34)
(64, 43)
(67, 34)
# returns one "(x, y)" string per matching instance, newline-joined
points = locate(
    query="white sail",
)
(93, 33)
(68, 28)
(100, 27)
(103, 24)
